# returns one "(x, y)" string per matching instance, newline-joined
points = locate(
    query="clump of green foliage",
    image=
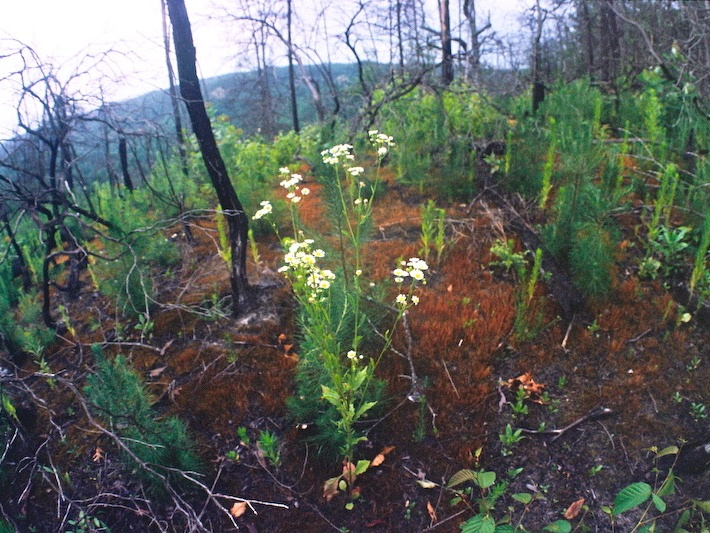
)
(119, 397)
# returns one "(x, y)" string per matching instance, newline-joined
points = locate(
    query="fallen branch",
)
(597, 412)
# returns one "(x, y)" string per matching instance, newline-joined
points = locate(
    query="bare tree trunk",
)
(589, 41)
(123, 157)
(609, 43)
(473, 59)
(538, 94)
(237, 221)
(447, 60)
(291, 71)
(174, 97)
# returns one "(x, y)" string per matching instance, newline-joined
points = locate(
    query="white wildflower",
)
(401, 299)
(415, 299)
(352, 355)
(266, 209)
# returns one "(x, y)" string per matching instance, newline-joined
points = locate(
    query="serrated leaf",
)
(658, 503)
(523, 497)
(559, 526)
(479, 524)
(426, 484)
(631, 496)
(668, 485)
(460, 477)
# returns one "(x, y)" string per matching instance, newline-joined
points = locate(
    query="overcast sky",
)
(60, 30)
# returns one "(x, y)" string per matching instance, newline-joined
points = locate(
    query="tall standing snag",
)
(237, 221)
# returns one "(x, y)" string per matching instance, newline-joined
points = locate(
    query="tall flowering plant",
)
(347, 372)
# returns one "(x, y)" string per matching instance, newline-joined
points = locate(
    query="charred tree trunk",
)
(237, 221)
(447, 60)
(123, 156)
(538, 93)
(291, 68)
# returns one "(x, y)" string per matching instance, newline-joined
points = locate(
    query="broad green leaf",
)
(330, 396)
(460, 477)
(507, 528)
(670, 450)
(559, 526)
(361, 467)
(523, 497)
(485, 479)
(479, 524)
(359, 378)
(659, 503)
(364, 408)
(631, 496)
(684, 518)
(668, 485)
(703, 506)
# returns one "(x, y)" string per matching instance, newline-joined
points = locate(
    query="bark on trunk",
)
(447, 61)
(237, 221)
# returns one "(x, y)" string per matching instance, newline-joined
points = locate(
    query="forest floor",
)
(630, 359)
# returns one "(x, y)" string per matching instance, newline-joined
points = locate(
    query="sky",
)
(62, 30)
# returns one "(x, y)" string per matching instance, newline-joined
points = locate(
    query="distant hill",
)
(241, 97)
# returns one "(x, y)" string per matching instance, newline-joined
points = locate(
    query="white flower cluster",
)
(414, 268)
(266, 209)
(381, 141)
(403, 300)
(353, 355)
(301, 264)
(355, 171)
(291, 184)
(338, 153)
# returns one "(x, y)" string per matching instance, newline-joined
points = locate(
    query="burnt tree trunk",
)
(123, 156)
(447, 60)
(291, 69)
(236, 218)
